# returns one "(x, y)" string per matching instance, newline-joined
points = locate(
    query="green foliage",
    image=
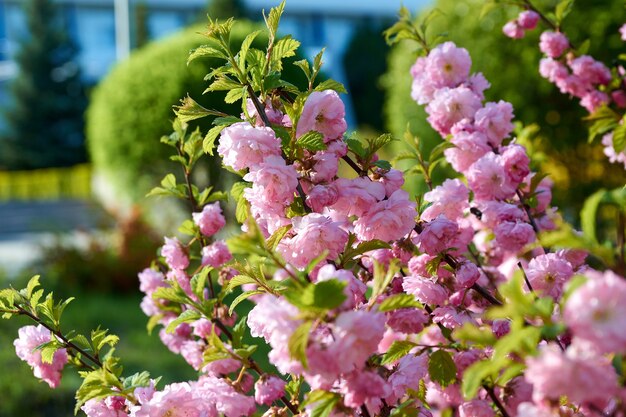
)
(45, 119)
(441, 368)
(131, 110)
(511, 66)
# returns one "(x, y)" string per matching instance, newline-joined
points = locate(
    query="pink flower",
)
(450, 317)
(513, 236)
(622, 31)
(272, 181)
(478, 84)
(619, 98)
(407, 320)
(422, 87)
(357, 334)
(325, 166)
(449, 199)
(321, 196)
(476, 408)
(357, 196)
(244, 146)
(425, 290)
(590, 71)
(513, 30)
(467, 274)
(29, 337)
(210, 220)
(596, 312)
(361, 387)
(388, 220)
(174, 341)
(323, 112)
(582, 378)
(516, 162)
(269, 389)
(174, 254)
(468, 148)
(451, 105)
(552, 70)
(448, 65)
(548, 274)
(407, 374)
(314, 234)
(392, 180)
(488, 179)
(528, 19)
(553, 44)
(150, 280)
(494, 120)
(593, 100)
(437, 236)
(108, 407)
(220, 398)
(191, 351)
(216, 254)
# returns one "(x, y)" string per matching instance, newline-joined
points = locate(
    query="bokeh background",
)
(86, 92)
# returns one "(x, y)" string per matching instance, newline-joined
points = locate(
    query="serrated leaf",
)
(239, 280)
(223, 83)
(273, 241)
(331, 84)
(273, 19)
(382, 164)
(185, 317)
(245, 47)
(32, 284)
(205, 51)
(619, 138)
(208, 144)
(398, 301)
(305, 67)
(191, 110)
(441, 368)
(563, 9)
(397, 350)
(298, 342)
(242, 297)
(47, 351)
(139, 379)
(284, 48)
(188, 227)
(588, 214)
(318, 297)
(325, 407)
(234, 95)
(312, 141)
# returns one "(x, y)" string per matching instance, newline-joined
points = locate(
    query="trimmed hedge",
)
(511, 66)
(132, 108)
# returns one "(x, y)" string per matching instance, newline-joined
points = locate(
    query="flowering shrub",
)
(371, 304)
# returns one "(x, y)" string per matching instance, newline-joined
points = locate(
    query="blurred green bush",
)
(511, 66)
(132, 108)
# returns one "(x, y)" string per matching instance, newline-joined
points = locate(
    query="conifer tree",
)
(45, 115)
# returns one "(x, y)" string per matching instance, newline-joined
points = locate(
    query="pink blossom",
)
(392, 180)
(448, 65)
(407, 320)
(593, 100)
(29, 338)
(314, 234)
(449, 199)
(596, 312)
(422, 87)
(548, 274)
(191, 351)
(361, 387)
(516, 162)
(272, 181)
(553, 70)
(528, 409)
(513, 30)
(590, 71)
(513, 236)
(276, 117)
(496, 212)
(528, 19)
(494, 120)
(244, 146)
(321, 196)
(467, 274)
(582, 378)
(488, 179)
(323, 112)
(476, 408)
(210, 220)
(609, 150)
(174, 254)
(357, 334)
(517, 391)
(388, 220)
(220, 398)
(437, 236)
(468, 148)
(358, 195)
(407, 374)
(109, 407)
(451, 317)
(216, 254)
(175, 399)
(325, 166)
(451, 105)
(619, 98)
(478, 84)
(269, 389)
(174, 341)
(150, 280)
(553, 44)
(425, 290)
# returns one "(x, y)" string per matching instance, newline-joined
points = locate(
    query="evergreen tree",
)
(45, 116)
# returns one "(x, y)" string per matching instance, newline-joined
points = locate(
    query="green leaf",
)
(242, 297)
(32, 284)
(273, 241)
(325, 407)
(208, 144)
(185, 317)
(312, 141)
(588, 214)
(273, 19)
(245, 47)
(285, 48)
(619, 138)
(563, 9)
(205, 51)
(319, 297)
(397, 350)
(331, 84)
(139, 379)
(234, 95)
(239, 280)
(190, 110)
(48, 350)
(398, 301)
(299, 341)
(381, 163)
(305, 67)
(441, 368)
(223, 83)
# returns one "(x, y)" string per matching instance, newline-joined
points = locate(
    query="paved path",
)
(25, 226)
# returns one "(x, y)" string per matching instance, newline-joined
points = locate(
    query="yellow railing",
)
(46, 184)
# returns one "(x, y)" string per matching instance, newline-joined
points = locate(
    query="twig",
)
(496, 401)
